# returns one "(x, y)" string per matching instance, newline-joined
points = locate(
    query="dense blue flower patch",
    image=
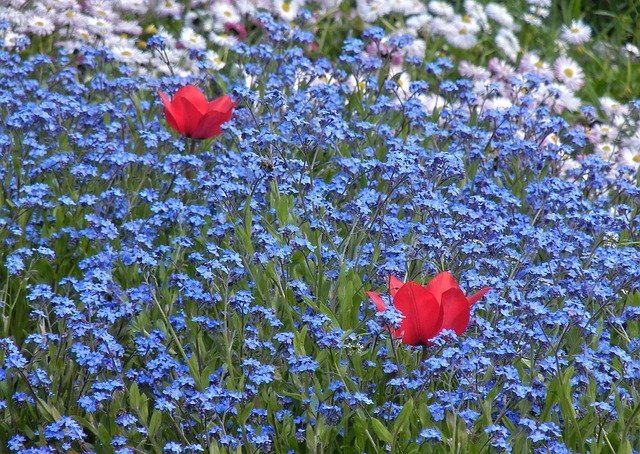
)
(165, 295)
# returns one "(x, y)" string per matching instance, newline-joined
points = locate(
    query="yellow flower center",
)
(227, 13)
(40, 23)
(127, 53)
(636, 158)
(286, 7)
(462, 31)
(538, 64)
(568, 72)
(466, 19)
(575, 30)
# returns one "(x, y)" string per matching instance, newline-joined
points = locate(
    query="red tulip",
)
(428, 310)
(193, 116)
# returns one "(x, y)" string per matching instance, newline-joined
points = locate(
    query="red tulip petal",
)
(476, 296)
(168, 112)
(377, 300)
(195, 97)
(222, 104)
(394, 285)
(422, 311)
(441, 283)
(456, 310)
(209, 124)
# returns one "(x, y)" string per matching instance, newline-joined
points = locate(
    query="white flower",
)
(168, 8)
(99, 26)
(134, 6)
(432, 103)
(475, 11)
(214, 59)
(10, 39)
(612, 108)
(500, 14)
(477, 73)
(461, 33)
(441, 9)
(532, 20)
(222, 39)
(371, 11)
(630, 157)
(605, 150)
(225, 12)
(418, 23)
(72, 18)
(531, 63)
(39, 26)
(576, 33)
(191, 40)
(602, 132)
(402, 79)
(129, 55)
(631, 50)
(287, 9)
(569, 72)
(508, 43)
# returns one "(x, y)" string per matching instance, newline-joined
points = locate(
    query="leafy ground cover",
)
(275, 286)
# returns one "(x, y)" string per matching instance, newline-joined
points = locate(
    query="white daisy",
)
(214, 60)
(613, 108)
(168, 8)
(71, 18)
(191, 40)
(225, 12)
(508, 43)
(531, 63)
(39, 26)
(10, 38)
(576, 33)
(602, 132)
(476, 13)
(473, 72)
(630, 157)
(500, 14)
(222, 39)
(569, 72)
(605, 150)
(133, 6)
(441, 9)
(129, 55)
(287, 9)
(370, 11)
(99, 26)
(461, 33)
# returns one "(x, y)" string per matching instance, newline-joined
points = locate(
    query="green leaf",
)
(381, 431)
(402, 420)
(134, 395)
(154, 425)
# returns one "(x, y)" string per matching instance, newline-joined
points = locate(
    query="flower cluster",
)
(159, 297)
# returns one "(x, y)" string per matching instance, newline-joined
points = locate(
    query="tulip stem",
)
(192, 145)
(424, 354)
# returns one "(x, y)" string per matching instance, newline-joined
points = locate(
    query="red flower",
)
(193, 116)
(427, 311)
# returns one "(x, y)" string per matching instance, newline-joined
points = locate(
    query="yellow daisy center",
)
(568, 72)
